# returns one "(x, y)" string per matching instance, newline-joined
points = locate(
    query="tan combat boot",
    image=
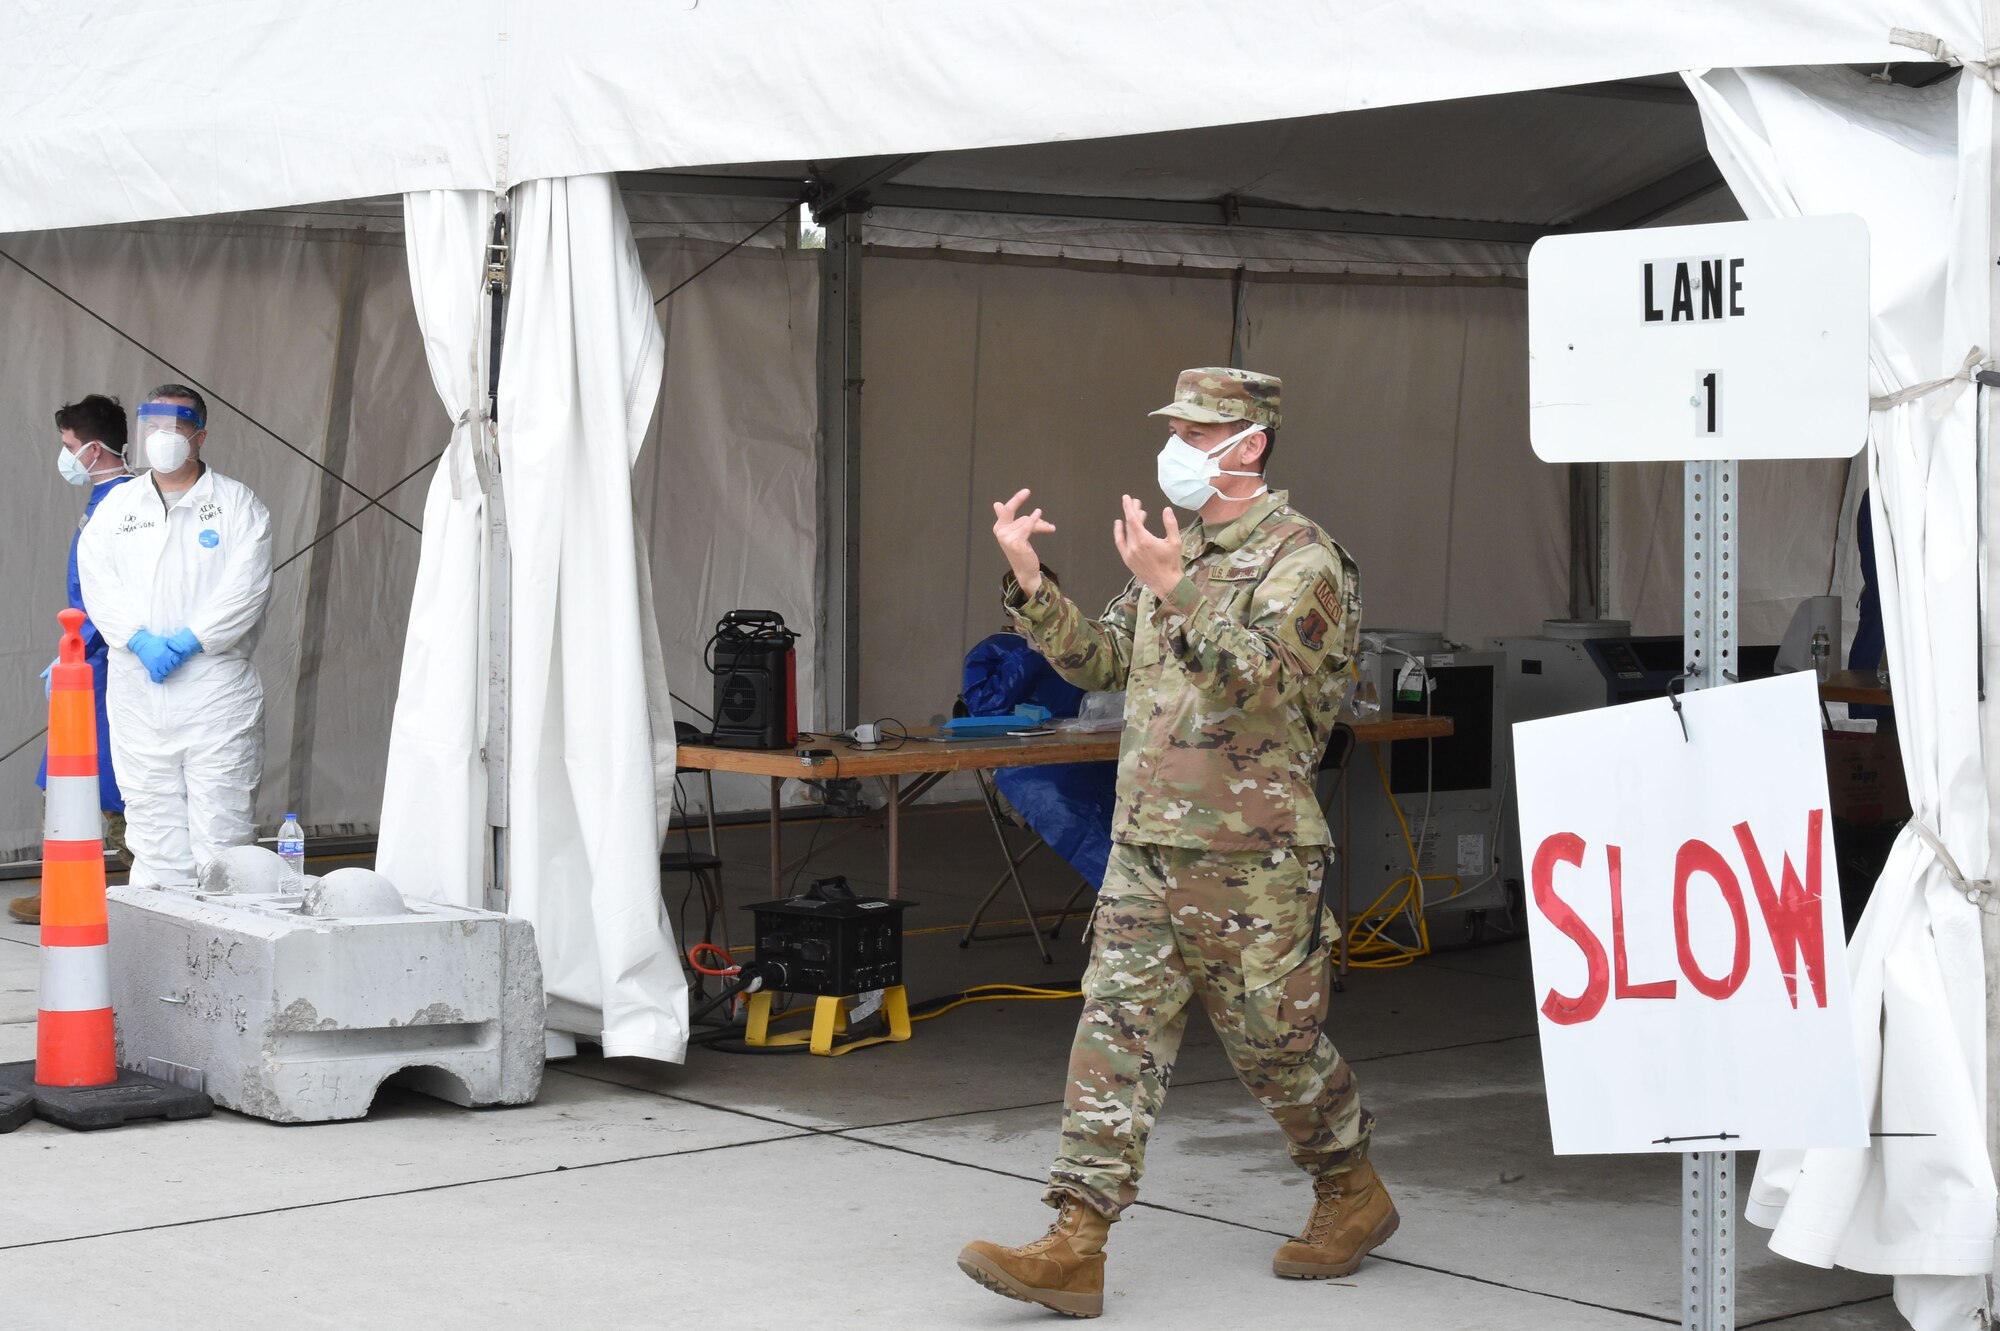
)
(114, 837)
(1351, 1217)
(1062, 1270)
(26, 910)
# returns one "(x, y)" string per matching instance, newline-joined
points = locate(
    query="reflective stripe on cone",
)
(75, 979)
(72, 810)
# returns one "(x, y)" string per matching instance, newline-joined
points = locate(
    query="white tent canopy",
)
(1387, 241)
(342, 99)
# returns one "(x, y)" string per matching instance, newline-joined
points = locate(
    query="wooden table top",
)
(1854, 686)
(917, 754)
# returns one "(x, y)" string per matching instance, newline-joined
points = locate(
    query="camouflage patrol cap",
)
(1215, 395)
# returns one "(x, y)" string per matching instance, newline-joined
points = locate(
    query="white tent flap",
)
(1915, 164)
(434, 789)
(579, 374)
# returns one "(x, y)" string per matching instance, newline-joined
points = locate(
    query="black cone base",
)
(16, 1108)
(86, 1108)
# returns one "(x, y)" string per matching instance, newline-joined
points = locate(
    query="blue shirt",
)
(97, 652)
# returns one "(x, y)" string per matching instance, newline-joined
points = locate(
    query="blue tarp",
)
(1068, 805)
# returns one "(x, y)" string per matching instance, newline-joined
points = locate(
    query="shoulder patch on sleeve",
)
(1313, 621)
(1327, 596)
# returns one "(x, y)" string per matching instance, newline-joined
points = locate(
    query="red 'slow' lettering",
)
(1700, 857)
(1567, 848)
(1620, 970)
(1792, 912)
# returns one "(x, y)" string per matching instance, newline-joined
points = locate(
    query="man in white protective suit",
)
(176, 569)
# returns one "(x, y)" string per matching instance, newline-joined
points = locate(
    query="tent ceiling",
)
(1506, 168)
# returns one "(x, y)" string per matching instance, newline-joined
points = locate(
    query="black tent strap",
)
(373, 502)
(774, 219)
(188, 378)
(23, 744)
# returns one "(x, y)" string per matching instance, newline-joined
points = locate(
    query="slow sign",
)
(1684, 919)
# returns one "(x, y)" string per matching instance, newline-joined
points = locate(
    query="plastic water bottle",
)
(1822, 655)
(292, 850)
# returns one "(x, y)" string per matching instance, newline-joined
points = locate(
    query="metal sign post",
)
(499, 560)
(1708, 604)
(1674, 344)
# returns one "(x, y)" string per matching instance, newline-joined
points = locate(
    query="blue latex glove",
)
(48, 685)
(155, 654)
(184, 644)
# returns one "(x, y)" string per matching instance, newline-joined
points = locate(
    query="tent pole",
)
(1709, 578)
(1589, 596)
(1989, 926)
(499, 561)
(837, 644)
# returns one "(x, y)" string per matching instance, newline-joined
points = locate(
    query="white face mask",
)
(1185, 471)
(71, 467)
(167, 450)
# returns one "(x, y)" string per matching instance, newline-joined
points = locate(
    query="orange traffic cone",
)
(75, 1079)
(73, 1033)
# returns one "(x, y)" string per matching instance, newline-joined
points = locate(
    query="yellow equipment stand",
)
(829, 1017)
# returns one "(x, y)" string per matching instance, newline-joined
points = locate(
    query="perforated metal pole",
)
(1708, 1241)
(499, 560)
(1708, 1178)
(1709, 585)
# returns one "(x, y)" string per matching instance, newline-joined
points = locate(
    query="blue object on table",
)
(1067, 804)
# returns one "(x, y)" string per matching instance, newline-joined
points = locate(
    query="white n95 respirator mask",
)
(1185, 471)
(166, 450)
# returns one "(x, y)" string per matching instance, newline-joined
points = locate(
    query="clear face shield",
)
(168, 430)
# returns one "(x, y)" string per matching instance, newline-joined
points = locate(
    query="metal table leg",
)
(895, 836)
(777, 846)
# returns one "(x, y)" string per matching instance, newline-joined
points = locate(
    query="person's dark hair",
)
(95, 419)
(183, 391)
(1270, 447)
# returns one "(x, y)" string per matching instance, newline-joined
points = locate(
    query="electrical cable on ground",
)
(1369, 947)
(727, 1040)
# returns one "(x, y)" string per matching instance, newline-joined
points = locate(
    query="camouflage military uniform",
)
(1232, 688)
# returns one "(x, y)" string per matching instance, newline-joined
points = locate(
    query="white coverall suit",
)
(189, 750)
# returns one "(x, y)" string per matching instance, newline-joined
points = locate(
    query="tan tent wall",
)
(1405, 435)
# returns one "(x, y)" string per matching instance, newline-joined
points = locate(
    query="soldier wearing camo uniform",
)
(1231, 642)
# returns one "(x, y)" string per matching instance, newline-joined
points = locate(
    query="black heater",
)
(756, 680)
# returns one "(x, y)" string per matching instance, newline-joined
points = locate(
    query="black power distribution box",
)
(830, 941)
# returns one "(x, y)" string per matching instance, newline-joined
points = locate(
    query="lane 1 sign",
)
(1684, 925)
(1679, 344)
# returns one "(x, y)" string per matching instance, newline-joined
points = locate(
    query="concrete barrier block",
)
(300, 1018)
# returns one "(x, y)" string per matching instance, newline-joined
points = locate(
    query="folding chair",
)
(704, 871)
(998, 815)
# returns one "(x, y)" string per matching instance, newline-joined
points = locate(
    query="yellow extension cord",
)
(1367, 947)
(978, 993)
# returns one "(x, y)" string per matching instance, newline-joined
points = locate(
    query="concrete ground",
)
(801, 1192)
